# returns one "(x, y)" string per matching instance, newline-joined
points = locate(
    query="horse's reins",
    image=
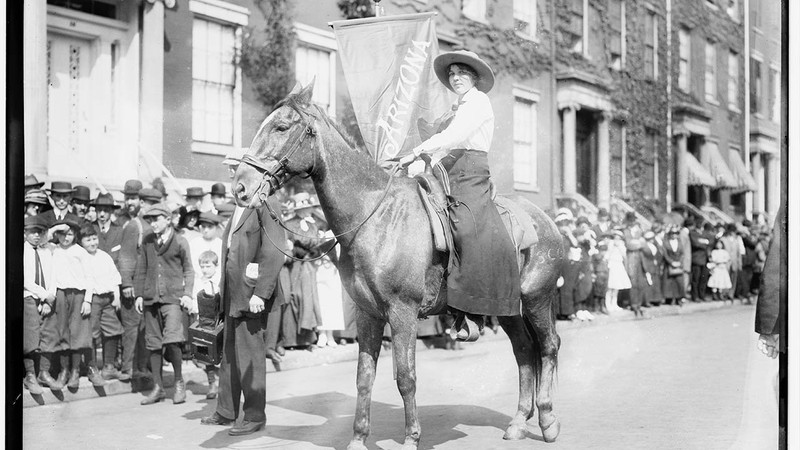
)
(278, 176)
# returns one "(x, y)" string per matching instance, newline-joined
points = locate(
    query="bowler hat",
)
(218, 189)
(32, 182)
(159, 209)
(105, 200)
(61, 187)
(36, 221)
(132, 187)
(194, 192)
(441, 65)
(207, 217)
(150, 195)
(82, 194)
(36, 196)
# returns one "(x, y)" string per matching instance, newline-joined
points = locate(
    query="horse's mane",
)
(294, 101)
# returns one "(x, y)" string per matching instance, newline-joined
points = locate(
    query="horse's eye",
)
(281, 127)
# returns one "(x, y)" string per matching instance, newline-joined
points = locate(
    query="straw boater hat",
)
(441, 65)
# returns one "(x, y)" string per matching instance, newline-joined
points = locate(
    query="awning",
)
(716, 165)
(698, 175)
(744, 180)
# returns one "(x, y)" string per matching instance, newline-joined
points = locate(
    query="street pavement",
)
(693, 381)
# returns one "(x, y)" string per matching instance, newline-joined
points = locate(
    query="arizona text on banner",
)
(388, 66)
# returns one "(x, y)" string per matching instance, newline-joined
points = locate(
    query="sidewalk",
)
(196, 380)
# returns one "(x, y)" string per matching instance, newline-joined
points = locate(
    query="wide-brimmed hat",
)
(195, 192)
(159, 209)
(82, 194)
(132, 187)
(31, 182)
(151, 195)
(36, 196)
(61, 187)
(441, 65)
(218, 189)
(303, 200)
(210, 218)
(36, 221)
(105, 200)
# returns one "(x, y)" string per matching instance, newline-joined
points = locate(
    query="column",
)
(570, 182)
(34, 49)
(151, 114)
(773, 187)
(603, 161)
(757, 169)
(681, 170)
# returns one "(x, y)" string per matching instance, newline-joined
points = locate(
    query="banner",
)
(388, 66)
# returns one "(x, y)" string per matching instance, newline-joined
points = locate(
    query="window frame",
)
(651, 16)
(532, 33)
(713, 96)
(532, 97)
(618, 62)
(775, 94)
(685, 31)
(235, 16)
(323, 40)
(756, 86)
(733, 95)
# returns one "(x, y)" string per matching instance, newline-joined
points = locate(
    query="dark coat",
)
(132, 235)
(700, 247)
(164, 273)
(50, 217)
(771, 305)
(110, 242)
(250, 244)
(652, 263)
(672, 286)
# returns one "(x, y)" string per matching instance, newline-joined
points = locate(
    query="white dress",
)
(720, 279)
(617, 275)
(329, 289)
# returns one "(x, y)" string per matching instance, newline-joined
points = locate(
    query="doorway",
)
(586, 154)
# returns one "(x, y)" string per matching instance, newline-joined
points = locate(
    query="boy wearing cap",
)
(61, 193)
(163, 285)
(39, 295)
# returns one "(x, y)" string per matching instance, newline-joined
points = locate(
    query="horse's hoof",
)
(356, 445)
(515, 432)
(551, 431)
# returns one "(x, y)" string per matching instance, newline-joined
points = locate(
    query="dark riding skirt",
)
(485, 279)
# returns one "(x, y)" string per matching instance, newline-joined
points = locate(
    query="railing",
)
(578, 204)
(694, 211)
(717, 215)
(619, 208)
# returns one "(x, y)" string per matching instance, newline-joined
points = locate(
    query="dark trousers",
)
(133, 347)
(243, 370)
(568, 292)
(699, 282)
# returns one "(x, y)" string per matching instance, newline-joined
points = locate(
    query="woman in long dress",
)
(672, 283)
(617, 274)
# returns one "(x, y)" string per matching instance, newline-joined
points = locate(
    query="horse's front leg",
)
(522, 345)
(404, 339)
(370, 333)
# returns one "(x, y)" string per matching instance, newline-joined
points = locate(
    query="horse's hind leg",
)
(546, 345)
(521, 344)
(404, 337)
(370, 333)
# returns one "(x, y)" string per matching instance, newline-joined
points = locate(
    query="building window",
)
(525, 17)
(315, 60)
(774, 95)
(650, 45)
(733, 9)
(756, 87)
(575, 30)
(733, 81)
(474, 9)
(525, 134)
(685, 64)
(711, 73)
(755, 16)
(214, 69)
(616, 44)
(649, 175)
(616, 146)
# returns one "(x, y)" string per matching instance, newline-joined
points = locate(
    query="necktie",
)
(39, 273)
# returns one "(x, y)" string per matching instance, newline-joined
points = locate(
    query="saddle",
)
(434, 189)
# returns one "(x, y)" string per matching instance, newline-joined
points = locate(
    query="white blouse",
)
(472, 127)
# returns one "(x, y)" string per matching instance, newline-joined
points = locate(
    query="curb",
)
(197, 383)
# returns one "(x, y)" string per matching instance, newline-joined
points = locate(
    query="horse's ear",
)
(307, 93)
(296, 89)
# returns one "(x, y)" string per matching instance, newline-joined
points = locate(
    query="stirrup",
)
(465, 329)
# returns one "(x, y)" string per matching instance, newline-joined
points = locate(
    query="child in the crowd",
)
(718, 264)
(163, 284)
(39, 295)
(617, 275)
(73, 305)
(104, 280)
(207, 296)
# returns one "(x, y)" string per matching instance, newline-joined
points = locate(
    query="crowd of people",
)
(616, 265)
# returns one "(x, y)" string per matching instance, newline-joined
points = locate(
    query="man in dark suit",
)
(250, 288)
(61, 193)
(109, 232)
(700, 246)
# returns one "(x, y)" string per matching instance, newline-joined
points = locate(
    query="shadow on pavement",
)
(439, 423)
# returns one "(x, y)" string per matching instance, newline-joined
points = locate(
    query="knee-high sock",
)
(64, 360)
(44, 362)
(155, 363)
(75, 356)
(110, 345)
(28, 363)
(174, 355)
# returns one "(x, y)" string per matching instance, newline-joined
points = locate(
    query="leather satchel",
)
(674, 271)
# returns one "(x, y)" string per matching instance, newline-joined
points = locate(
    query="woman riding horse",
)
(485, 279)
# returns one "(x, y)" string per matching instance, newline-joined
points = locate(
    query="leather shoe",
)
(216, 419)
(155, 396)
(125, 375)
(45, 379)
(110, 372)
(95, 377)
(180, 392)
(74, 379)
(62, 378)
(246, 427)
(32, 385)
(213, 390)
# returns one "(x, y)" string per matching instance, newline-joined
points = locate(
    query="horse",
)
(388, 263)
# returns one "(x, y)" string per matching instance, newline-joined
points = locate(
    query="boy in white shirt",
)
(105, 280)
(38, 301)
(207, 297)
